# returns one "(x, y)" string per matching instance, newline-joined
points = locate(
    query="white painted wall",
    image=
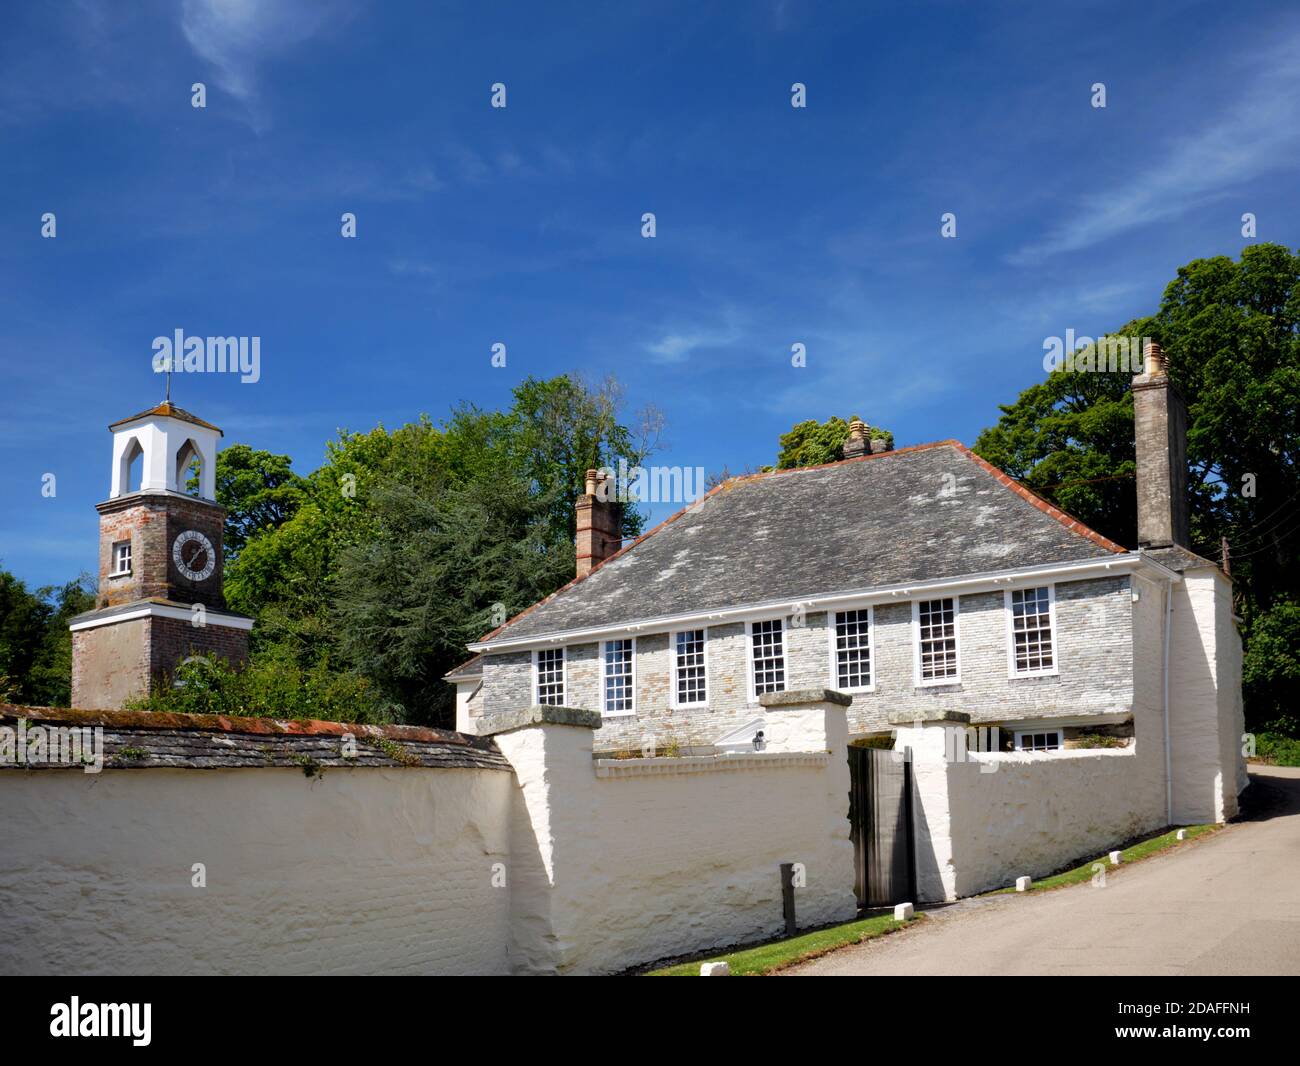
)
(629, 861)
(988, 818)
(361, 871)
(469, 705)
(1205, 700)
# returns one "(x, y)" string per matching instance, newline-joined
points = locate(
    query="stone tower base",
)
(118, 653)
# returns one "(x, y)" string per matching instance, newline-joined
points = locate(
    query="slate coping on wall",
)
(146, 739)
(801, 697)
(538, 714)
(928, 717)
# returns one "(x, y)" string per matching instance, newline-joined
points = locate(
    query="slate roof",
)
(1180, 559)
(470, 668)
(142, 740)
(862, 523)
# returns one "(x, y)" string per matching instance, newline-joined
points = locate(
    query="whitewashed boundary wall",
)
(621, 862)
(360, 871)
(983, 819)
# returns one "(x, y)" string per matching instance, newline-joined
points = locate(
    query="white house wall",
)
(1205, 715)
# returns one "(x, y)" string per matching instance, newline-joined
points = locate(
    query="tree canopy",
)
(1229, 331)
(406, 544)
(35, 645)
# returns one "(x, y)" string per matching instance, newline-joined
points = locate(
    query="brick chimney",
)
(1160, 425)
(600, 523)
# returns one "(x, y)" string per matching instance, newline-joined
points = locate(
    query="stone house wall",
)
(1094, 641)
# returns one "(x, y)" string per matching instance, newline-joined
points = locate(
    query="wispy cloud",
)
(679, 345)
(238, 36)
(1257, 133)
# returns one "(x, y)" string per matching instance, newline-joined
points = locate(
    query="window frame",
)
(114, 558)
(674, 702)
(1012, 673)
(833, 651)
(1021, 733)
(935, 682)
(564, 675)
(749, 656)
(604, 678)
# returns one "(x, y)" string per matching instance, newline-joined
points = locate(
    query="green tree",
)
(1070, 439)
(1271, 671)
(409, 600)
(259, 491)
(812, 443)
(1231, 332)
(35, 644)
(404, 541)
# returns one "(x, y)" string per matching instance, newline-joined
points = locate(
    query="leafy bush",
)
(1278, 750)
(267, 688)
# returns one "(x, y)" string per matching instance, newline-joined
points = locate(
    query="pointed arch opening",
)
(131, 474)
(189, 469)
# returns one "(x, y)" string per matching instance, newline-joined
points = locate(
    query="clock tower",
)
(160, 563)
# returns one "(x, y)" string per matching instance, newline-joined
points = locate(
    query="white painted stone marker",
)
(715, 969)
(1115, 856)
(903, 911)
(1182, 835)
(1023, 883)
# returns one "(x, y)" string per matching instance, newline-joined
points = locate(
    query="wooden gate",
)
(880, 813)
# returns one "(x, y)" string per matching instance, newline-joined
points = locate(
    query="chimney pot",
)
(593, 477)
(1154, 362)
(857, 440)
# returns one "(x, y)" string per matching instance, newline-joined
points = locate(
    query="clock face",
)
(194, 555)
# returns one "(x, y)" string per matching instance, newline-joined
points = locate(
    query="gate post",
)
(550, 750)
(816, 720)
(935, 738)
(809, 719)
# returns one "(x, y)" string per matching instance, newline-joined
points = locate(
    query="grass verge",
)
(1142, 850)
(768, 958)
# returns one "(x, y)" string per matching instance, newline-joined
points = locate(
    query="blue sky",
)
(522, 225)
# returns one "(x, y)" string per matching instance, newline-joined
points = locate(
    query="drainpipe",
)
(1169, 780)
